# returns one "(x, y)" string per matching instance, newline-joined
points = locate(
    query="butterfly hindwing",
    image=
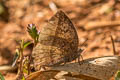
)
(58, 41)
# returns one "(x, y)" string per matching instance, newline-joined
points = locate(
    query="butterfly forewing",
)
(58, 42)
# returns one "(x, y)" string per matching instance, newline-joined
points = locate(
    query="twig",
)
(113, 45)
(102, 68)
(53, 7)
(99, 24)
(7, 68)
(58, 75)
(99, 68)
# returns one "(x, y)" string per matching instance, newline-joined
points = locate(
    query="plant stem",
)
(21, 62)
(30, 56)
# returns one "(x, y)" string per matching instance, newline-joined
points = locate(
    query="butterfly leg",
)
(80, 56)
(64, 61)
(79, 60)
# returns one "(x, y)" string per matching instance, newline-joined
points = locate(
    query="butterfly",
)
(58, 42)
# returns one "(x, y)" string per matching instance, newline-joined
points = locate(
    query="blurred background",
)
(94, 20)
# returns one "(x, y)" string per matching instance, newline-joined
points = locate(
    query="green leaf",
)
(23, 44)
(23, 78)
(25, 70)
(26, 44)
(25, 65)
(118, 76)
(1, 9)
(1, 77)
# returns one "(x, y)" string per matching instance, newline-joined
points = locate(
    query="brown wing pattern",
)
(58, 42)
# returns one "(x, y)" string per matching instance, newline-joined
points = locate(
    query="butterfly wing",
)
(58, 41)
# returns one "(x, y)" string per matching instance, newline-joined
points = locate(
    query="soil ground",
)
(95, 21)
